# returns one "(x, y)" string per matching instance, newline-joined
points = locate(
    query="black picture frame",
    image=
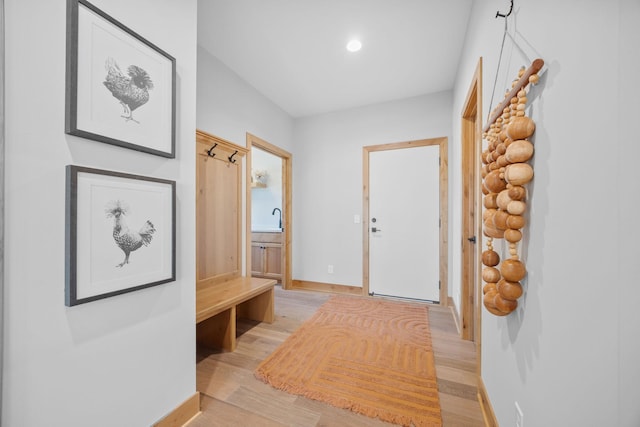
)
(111, 73)
(103, 256)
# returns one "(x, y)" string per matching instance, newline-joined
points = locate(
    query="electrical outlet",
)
(330, 269)
(519, 416)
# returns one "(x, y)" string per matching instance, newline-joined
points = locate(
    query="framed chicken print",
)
(120, 233)
(120, 88)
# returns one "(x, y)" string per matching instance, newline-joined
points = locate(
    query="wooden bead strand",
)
(505, 172)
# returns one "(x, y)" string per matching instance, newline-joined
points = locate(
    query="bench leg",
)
(259, 308)
(218, 331)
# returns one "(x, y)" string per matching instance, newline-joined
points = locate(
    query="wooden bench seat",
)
(219, 305)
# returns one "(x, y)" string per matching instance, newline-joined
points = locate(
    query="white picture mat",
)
(97, 252)
(98, 111)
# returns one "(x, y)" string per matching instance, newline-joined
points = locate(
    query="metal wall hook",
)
(231, 159)
(210, 152)
(507, 14)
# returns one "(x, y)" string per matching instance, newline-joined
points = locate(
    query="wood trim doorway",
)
(471, 233)
(254, 141)
(444, 208)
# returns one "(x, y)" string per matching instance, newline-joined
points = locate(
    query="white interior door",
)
(404, 228)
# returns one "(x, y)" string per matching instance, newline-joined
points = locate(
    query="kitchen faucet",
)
(279, 216)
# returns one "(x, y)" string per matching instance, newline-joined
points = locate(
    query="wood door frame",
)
(444, 208)
(471, 138)
(287, 160)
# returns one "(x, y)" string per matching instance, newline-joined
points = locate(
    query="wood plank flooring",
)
(231, 396)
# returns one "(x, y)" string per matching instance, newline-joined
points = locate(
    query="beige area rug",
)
(369, 355)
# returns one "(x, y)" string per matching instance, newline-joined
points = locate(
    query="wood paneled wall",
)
(218, 209)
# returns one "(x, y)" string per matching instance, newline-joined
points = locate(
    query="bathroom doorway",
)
(269, 211)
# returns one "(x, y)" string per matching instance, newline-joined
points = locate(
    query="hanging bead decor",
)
(506, 173)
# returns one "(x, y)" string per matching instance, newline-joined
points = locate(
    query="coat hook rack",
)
(210, 152)
(231, 159)
(502, 15)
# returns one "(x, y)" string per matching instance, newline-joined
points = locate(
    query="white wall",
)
(628, 234)
(122, 361)
(327, 178)
(569, 354)
(229, 107)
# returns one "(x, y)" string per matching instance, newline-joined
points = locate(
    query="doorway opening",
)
(269, 215)
(471, 236)
(372, 231)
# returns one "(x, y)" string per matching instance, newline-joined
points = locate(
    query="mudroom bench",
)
(220, 304)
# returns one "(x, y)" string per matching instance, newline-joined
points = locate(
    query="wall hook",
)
(231, 159)
(507, 14)
(210, 152)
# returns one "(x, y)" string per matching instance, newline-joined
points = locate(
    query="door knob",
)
(472, 239)
(375, 229)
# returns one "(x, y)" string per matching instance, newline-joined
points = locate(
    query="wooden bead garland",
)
(505, 172)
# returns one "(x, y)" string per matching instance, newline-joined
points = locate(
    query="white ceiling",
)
(293, 51)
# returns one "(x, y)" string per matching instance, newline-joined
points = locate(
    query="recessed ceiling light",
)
(354, 45)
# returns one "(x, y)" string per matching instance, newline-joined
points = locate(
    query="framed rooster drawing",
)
(120, 87)
(120, 233)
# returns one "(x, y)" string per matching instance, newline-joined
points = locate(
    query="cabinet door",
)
(257, 259)
(273, 261)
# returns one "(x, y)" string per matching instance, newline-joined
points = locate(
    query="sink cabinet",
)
(266, 255)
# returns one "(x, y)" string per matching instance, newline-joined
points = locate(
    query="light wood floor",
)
(231, 396)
